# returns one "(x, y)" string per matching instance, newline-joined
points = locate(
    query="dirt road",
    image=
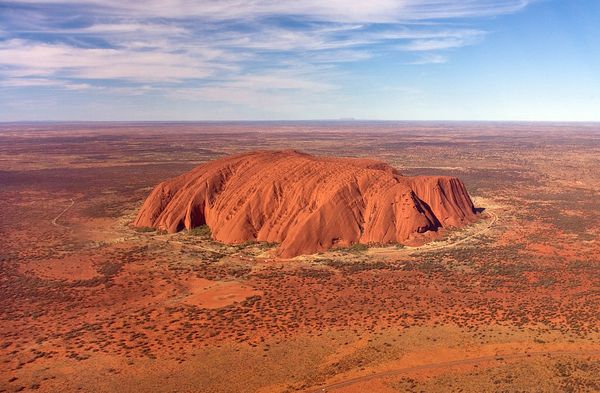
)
(442, 365)
(459, 241)
(54, 221)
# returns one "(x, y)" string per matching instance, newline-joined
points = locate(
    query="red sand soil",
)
(408, 319)
(216, 294)
(67, 268)
(307, 204)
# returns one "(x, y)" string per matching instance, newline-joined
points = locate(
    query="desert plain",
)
(91, 303)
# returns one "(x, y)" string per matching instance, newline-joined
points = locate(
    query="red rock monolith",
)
(307, 203)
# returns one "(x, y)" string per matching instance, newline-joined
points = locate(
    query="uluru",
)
(307, 204)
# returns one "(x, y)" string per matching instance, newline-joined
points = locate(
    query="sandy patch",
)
(68, 268)
(369, 386)
(345, 351)
(542, 249)
(215, 294)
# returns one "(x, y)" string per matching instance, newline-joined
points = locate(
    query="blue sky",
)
(303, 59)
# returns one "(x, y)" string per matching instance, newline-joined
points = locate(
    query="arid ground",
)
(88, 303)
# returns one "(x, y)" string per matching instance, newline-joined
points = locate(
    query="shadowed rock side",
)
(307, 204)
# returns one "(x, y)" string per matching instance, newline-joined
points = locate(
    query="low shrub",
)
(202, 230)
(145, 229)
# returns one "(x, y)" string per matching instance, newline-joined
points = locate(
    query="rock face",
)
(307, 204)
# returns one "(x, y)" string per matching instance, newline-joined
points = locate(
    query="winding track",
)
(462, 240)
(448, 364)
(445, 245)
(54, 221)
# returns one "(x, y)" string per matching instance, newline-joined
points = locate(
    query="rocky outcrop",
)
(307, 203)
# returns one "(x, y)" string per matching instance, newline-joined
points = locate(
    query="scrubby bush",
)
(357, 247)
(145, 229)
(202, 230)
(110, 269)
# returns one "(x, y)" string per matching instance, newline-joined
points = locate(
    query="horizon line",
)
(341, 120)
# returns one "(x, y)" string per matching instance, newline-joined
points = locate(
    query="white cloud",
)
(429, 58)
(125, 27)
(225, 49)
(373, 11)
(256, 89)
(41, 82)
(422, 45)
(20, 58)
